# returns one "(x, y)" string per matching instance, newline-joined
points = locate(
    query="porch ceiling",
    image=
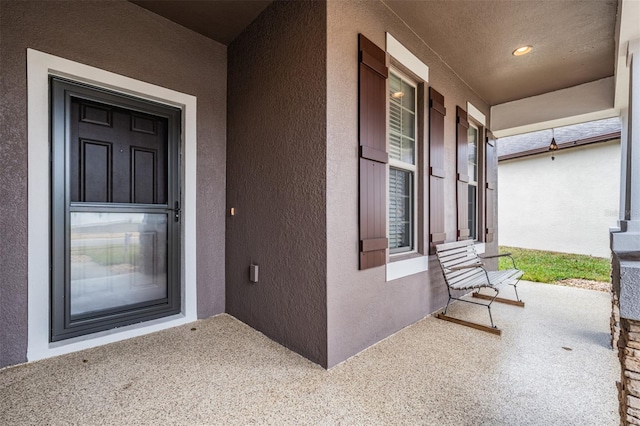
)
(220, 20)
(573, 40)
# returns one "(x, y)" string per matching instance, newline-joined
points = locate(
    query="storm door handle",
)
(176, 211)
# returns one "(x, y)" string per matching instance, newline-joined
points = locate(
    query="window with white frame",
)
(402, 164)
(473, 136)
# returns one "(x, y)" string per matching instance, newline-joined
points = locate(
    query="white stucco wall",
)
(566, 205)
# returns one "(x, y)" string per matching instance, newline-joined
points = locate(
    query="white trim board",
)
(406, 58)
(476, 114)
(560, 122)
(572, 105)
(39, 67)
(404, 268)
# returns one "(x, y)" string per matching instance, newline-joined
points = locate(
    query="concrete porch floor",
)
(432, 372)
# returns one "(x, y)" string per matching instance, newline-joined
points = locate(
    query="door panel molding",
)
(138, 190)
(89, 147)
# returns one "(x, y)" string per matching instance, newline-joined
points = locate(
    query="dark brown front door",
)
(117, 155)
(115, 210)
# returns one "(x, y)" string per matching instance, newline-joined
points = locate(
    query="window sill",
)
(405, 265)
(399, 257)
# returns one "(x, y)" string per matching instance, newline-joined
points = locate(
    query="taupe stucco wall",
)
(276, 174)
(126, 39)
(362, 307)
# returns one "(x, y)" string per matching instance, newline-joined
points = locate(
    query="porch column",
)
(625, 247)
(625, 241)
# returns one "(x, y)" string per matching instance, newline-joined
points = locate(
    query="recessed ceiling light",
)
(522, 50)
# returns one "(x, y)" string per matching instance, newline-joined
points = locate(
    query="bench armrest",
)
(493, 256)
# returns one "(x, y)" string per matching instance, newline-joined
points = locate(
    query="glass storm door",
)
(115, 210)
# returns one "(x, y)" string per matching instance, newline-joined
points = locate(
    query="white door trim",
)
(39, 67)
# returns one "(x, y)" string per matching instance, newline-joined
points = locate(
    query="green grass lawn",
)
(548, 267)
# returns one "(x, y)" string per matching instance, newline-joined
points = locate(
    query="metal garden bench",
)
(463, 269)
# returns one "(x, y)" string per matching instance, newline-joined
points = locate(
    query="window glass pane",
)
(402, 120)
(473, 211)
(473, 138)
(472, 151)
(400, 209)
(395, 140)
(395, 85)
(117, 259)
(395, 117)
(408, 124)
(408, 153)
(409, 98)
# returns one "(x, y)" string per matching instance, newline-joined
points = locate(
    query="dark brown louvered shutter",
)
(490, 186)
(437, 112)
(462, 190)
(373, 154)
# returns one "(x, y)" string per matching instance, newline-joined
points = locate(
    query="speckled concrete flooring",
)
(551, 366)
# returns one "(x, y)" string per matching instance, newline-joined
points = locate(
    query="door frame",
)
(40, 66)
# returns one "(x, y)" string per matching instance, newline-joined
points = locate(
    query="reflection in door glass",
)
(117, 259)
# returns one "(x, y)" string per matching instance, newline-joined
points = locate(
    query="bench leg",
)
(515, 288)
(491, 317)
(443, 314)
(447, 307)
(448, 301)
(489, 307)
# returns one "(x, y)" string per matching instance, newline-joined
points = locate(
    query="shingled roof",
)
(566, 137)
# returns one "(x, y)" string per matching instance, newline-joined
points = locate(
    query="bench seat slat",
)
(460, 260)
(452, 256)
(454, 245)
(476, 281)
(459, 249)
(505, 277)
(464, 274)
(455, 274)
(496, 279)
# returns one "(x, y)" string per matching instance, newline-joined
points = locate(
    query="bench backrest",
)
(459, 253)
